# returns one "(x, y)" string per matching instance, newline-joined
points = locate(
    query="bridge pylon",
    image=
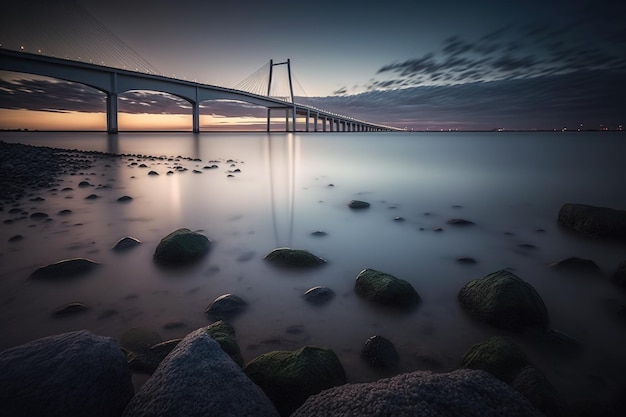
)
(269, 89)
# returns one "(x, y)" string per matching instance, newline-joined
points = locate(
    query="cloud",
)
(547, 102)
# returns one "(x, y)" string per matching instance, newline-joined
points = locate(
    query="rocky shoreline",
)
(203, 373)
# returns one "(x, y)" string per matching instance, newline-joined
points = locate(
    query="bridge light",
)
(21, 47)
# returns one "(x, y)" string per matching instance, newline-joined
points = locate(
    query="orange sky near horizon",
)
(11, 119)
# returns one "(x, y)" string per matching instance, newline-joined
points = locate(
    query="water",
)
(509, 184)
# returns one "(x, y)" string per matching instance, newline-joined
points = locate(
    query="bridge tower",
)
(269, 88)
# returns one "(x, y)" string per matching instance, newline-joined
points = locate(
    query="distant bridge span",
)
(115, 81)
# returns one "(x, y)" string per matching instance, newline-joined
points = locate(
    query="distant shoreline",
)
(302, 131)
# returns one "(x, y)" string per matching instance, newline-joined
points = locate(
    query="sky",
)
(419, 65)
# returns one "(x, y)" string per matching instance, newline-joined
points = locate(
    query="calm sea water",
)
(510, 184)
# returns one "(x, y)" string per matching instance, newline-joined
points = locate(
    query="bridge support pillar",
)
(269, 118)
(196, 117)
(308, 116)
(293, 114)
(315, 117)
(112, 126)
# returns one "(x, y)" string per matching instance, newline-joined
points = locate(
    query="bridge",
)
(114, 81)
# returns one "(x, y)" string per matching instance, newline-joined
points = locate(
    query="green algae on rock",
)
(504, 300)
(181, 247)
(386, 289)
(297, 258)
(289, 378)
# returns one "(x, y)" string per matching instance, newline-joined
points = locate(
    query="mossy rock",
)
(181, 247)
(386, 289)
(594, 221)
(224, 334)
(497, 355)
(296, 258)
(67, 268)
(504, 300)
(289, 378)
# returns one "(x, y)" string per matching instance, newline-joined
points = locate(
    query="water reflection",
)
(280, 156)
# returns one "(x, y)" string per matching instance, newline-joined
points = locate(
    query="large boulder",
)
(593, 220)
(462, 393)
(199, 379)
(497, 355)
(289, 378)
(224, 334)
(504, 300)
(296, 258)
(386, 289)
(71, 374)
(506, 361)
(181, 247)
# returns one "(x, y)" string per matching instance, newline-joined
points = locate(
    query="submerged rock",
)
(226, 306)
(181, 247)
(319, 295)
(357, 204)
(298, 258)
(593, 221)
(380, 353)
(126, 243)
(70, 309)
(67, 268)
(199, 379)
(385, 289)
(71, 374)
(576, 265)
(289, 378)
(460, 222)
(148, 360)
(504, 300)
(462, 393)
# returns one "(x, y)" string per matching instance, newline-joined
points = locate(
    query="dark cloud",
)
(591, 98)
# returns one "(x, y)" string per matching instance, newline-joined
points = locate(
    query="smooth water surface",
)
(290, 185)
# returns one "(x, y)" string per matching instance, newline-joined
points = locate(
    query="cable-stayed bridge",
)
(87, 52)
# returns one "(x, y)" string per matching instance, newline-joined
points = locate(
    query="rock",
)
(64, 212)
(460, 222)
(385, 289)
(462, 393)
(84, 184)
(617, 309)
(467, 260)
(138, 339)
(504, 300)
(69, 309)
(199, 379)
(92, 197)
(497, 355)
(531, 382)
(67, 268)
(126, 243)
(71, 374)
(226, 306)
(576, 265)
(16, 238)
(380, 353)
(289, 378)
(593, 221)
(224, 334)
(148, 360)
(124, 199)
(319, 295)
(357, 204)
(181, 247)
(39, 216)
(153, 173)
(503, 359)
(319, 233)
(618, 277)
(298, 258)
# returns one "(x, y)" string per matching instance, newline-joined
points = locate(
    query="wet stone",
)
(226, 306)
(126, 243)
(16, 238)
(460, 222)
(153, 173)
(319, 295)
(38, 216)
(92, 197)
(124, 199)
(70, 309)
(358, 204)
